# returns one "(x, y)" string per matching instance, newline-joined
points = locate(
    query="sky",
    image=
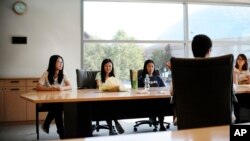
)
(137, 19)
(104, 19)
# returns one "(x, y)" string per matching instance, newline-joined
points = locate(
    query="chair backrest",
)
(86, 79)
(139, 73)
(202, 91)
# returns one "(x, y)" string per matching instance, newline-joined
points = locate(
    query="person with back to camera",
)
(201, 48)
(155, 81)
(241, 72)
(54, 79)
(107, 71)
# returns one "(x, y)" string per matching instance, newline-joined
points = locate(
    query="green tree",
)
(125, 56)
(160, 57)
(93, 56)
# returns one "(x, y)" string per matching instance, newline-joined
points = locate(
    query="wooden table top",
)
(93, 95)
(217, 133)
(96, 95)
(243, 89)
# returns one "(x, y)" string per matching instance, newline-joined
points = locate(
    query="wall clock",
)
(19, 7)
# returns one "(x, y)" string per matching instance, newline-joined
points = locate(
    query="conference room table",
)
(83, 106)
(215, 133)
(243, 89)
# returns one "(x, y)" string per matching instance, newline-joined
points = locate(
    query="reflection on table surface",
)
(242, 89)
(94, 95)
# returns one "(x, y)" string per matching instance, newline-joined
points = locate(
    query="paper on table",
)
(142, 92)
(151, 92)
(112, 84)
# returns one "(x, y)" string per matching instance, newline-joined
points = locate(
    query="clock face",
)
(19, 7)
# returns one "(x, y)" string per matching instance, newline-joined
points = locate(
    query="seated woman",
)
(155, 81)
(241, 72)
(54, 80)
(107, 71)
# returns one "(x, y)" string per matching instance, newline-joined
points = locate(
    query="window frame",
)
(186, 41)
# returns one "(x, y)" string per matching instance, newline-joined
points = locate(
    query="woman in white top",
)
(107, 71)
(54, 80)
(241, 72)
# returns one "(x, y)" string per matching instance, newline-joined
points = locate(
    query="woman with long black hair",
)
(107, 71)
(155, 81)
(241, 71)
(54, 80)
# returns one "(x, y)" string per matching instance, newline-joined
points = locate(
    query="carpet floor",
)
(27, 132)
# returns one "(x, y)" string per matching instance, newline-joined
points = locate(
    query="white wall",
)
(51, 26)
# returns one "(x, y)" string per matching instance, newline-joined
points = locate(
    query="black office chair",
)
(86, 80)
(202, 91)
(150, 121)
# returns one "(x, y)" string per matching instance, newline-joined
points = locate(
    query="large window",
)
(228, 27)
(140, 21)
(131, 32)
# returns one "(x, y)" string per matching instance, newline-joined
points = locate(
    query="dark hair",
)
(201, 45)
(245, 66)
(145, 71)
(105, 61)
(51, 69)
